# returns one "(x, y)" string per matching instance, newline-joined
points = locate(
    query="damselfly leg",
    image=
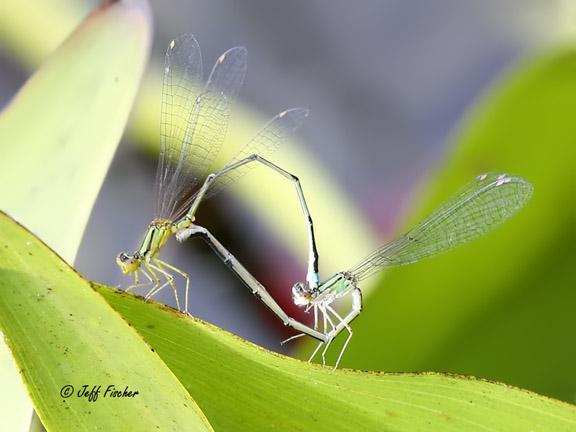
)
(137, 284)
(186, 278)
(347, 327)
(154, 269)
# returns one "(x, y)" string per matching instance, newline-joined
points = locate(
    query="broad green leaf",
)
(58, 135)
(61, 332)
(502, 307)
(242, 387)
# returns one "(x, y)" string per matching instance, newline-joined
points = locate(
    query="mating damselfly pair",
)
(194, 120)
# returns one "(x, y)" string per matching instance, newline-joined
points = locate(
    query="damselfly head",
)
(300, 295)
(127, 263)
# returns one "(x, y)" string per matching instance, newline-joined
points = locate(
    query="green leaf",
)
(61, 332)
(502, 307)
(242, 387)
(61, 130)
(59, 133)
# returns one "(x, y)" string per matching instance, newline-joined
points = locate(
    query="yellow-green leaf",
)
(242, 387)
(58, 135)
(64, 336)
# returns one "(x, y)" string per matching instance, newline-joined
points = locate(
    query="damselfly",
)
(193, 124)
(477, 209)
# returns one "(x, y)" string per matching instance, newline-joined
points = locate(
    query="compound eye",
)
(124, 258)
(298, 288)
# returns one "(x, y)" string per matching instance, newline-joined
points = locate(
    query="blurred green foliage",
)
(31, 30)
(502, 307)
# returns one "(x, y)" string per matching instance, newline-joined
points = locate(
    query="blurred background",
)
(387, 83)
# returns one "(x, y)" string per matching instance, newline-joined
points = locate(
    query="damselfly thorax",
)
(335, 287)
(157, 235)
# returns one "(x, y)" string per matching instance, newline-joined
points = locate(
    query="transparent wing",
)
(227, 75)
(204, 133)
(182, 83)
(479, 208)
(263, 143)
(213, 113)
